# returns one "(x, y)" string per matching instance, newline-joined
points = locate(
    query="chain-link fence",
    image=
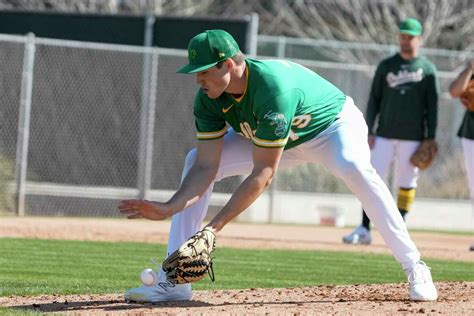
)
(84, 125)
(103, 123)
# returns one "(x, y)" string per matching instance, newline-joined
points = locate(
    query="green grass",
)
(429, 231)
(33, 267)
(444, 232)
(20, 312)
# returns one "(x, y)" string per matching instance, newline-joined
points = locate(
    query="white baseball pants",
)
(343, 149)
(386, 150)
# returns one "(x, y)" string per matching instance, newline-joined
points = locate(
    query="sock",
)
(365, 220)
(403, 212)
(406, 196)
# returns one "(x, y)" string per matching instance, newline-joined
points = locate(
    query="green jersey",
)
(467, 126)
(284, 105)
(404, 96)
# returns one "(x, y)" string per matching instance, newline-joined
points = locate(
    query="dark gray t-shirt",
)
(404, 99)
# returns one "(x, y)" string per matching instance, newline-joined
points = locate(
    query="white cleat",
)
(360, 235)
(161, 292)
(422, 287)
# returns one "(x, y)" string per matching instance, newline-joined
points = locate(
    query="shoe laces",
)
(419, 274)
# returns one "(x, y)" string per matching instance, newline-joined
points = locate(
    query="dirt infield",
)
(456, 298)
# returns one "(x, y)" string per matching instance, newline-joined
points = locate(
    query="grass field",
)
(33, 267)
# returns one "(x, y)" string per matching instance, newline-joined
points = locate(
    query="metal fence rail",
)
(352, 52)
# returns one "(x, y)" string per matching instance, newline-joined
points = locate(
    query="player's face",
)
(214, 81)
(409, 44)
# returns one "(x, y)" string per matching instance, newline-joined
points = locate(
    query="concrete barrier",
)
(345, 210)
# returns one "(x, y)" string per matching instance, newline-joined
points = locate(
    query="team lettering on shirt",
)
(404, 76)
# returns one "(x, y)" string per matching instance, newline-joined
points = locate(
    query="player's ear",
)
(229, 64)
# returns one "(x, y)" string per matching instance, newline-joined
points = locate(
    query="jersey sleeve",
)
(209, 123)
(274, 119)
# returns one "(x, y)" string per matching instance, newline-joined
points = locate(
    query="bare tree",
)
(447, 23)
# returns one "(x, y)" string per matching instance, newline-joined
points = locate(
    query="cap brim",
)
(409, 32)
(190, 69)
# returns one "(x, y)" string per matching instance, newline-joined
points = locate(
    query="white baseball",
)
(149, 277)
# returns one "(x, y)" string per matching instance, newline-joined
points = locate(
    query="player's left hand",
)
(144, 209)
(192, 261)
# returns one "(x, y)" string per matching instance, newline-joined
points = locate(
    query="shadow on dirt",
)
(120, 305)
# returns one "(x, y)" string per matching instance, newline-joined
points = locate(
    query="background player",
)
(458, 89)
(281, 114)
(404, 101)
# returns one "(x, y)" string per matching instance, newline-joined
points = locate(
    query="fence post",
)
(21, 162)
(147, 112)
(252, 35)
(272, 199)
(281, 49)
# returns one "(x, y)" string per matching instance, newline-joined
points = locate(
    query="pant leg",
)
(407, 174)
(343, 149)
(381, 155)
(236, 159)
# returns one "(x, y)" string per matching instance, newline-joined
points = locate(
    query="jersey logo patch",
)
(192, 54)
(279, 120)
(227, 109)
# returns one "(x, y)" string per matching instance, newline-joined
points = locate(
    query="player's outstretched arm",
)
(266, 162)
(196, 182)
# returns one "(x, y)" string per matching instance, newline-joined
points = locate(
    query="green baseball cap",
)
(206, 49)
(411, 27)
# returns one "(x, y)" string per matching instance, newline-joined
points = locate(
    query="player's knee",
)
(350, 171)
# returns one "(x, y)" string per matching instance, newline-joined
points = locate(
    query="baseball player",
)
(253, 117)
(404, 99)
(459, 89)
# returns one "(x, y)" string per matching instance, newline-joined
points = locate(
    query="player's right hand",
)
(145, 209)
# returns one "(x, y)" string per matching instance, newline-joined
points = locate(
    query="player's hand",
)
(144, 209)
(470, 64)
(464, 100)
(371, 141)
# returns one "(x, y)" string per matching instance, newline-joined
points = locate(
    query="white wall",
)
(345, 210)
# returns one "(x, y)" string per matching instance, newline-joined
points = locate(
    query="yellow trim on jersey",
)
(211, 135)
(270, 143)
(246, 84)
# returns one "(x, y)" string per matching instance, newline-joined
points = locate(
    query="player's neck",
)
(408, 56)
(238, 82)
